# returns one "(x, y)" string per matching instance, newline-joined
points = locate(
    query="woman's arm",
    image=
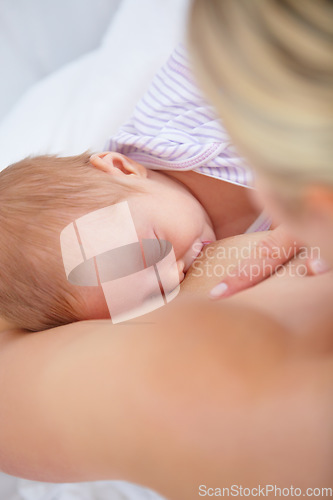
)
(195, 393)
(134, 401)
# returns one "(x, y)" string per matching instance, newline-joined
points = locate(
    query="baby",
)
(174, 166)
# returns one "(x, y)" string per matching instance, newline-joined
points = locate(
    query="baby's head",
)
(40, 196)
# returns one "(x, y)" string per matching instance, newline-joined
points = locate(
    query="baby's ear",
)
(117, 164)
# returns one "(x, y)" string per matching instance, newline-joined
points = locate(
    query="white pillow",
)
(39, 36)
(79, 106)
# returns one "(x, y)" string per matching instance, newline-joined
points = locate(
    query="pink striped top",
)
(174, 128)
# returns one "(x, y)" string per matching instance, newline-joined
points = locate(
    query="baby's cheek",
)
(183, 243)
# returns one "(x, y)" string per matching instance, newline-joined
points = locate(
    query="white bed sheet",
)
(39, 36)
(77, 108)
(12, 488)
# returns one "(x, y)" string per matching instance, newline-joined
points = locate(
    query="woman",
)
(201, 394)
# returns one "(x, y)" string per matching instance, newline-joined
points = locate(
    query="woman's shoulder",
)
(192, 361)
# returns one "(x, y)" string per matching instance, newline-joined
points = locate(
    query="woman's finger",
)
(317, 266)
(274, 250)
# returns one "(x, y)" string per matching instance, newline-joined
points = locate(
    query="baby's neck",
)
(228, 205)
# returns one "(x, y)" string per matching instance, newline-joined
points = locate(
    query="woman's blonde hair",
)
(267, 66)
(39, 196)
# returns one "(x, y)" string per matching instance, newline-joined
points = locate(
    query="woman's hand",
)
(240, 262)
(260, 255)
(297, 303)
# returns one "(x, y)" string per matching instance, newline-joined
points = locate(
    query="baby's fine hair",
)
(39, 196)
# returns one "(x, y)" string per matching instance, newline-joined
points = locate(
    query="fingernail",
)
(319, 266)
(218, 290)
(206, 242)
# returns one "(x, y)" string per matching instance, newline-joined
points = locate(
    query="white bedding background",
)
(76, 108)
(36, 38)
(81, 104)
